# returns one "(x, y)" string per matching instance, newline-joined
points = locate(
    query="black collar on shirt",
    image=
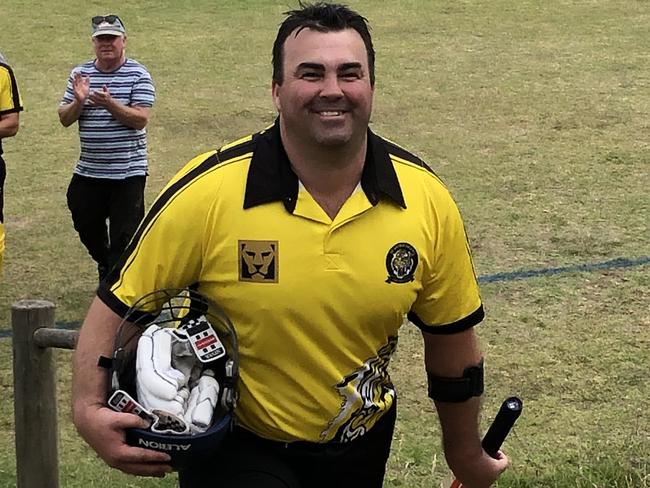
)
(271, 179)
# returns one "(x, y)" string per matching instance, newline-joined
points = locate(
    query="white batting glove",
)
(202, 402)
(159, 385)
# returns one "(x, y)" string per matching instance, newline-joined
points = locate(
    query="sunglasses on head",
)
(111, 19)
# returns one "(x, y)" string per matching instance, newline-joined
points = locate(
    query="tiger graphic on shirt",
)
(367, 393)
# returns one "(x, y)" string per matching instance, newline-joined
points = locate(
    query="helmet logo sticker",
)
(401, 263)
(258, 261)
(164, 446)
(203, 339)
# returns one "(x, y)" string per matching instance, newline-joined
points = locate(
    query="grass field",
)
(534, 113)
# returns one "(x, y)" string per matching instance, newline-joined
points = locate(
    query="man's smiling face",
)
(326, 96)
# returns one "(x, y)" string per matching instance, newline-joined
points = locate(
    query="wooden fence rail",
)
(35, 405)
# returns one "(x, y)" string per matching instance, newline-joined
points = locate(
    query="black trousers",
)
(106, 214)
(248, 461)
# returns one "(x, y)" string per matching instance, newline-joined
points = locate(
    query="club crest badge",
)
(401, 263)
(258, 261)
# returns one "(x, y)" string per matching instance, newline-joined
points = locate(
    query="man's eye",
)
(351, 75)
(310, 75)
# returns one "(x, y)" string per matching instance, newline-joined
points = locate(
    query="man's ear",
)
(275, 87)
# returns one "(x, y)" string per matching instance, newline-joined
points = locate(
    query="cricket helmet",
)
(212, 335)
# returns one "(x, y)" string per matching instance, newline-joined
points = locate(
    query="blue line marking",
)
(522, 275)
(493, 278)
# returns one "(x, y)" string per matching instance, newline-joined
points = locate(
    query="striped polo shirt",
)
(110, 149)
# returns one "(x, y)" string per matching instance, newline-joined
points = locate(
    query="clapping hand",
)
(101, 98)
(81, 87)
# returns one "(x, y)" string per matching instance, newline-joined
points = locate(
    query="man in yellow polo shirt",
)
(317, 237)
(10, 106)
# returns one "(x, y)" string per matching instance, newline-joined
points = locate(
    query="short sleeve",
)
(449, 300)
(143, 93)
(68, 94)
(10, 100)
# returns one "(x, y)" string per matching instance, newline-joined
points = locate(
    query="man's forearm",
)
(134, 117)
(460, 430)
(9, 124)
(96, 338)
(70, 113)
(101, 427)
(449, 356)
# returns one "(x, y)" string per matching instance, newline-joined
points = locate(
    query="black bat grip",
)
(503, 422)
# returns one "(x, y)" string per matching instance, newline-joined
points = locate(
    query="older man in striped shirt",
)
(110, 98)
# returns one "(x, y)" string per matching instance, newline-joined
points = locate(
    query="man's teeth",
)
(331, 114)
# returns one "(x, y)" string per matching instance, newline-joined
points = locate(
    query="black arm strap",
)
(104, 362)
(456, 390)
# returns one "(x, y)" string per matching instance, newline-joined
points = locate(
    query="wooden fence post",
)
(35, 411)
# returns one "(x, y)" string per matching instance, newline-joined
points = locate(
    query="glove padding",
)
(170, 384)
(164, 365)
(202, 402)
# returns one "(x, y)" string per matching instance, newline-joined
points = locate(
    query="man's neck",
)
(107, 67)
(330, 175)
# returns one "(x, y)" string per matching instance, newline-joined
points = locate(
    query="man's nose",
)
(331, 87)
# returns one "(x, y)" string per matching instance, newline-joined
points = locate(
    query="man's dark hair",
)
(322, 17)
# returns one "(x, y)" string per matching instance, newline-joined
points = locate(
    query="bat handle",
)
(498, 431)
(503, 422)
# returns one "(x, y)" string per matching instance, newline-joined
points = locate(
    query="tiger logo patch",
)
(401, 263)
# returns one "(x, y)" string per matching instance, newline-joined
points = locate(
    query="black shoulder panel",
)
(400, 152)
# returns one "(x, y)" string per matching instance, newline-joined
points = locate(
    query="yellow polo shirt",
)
(10, 102)
(317, 303)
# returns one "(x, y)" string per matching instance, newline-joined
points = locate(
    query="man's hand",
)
(81, 87)
(102, 98)
(134, 117)
(69, 113)
(103, 429)
(479, 472)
